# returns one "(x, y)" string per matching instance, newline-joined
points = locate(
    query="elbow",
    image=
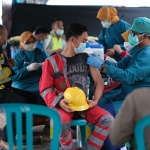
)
(129, 80)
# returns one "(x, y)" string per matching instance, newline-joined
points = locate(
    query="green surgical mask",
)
(134, 40)
(59, 32)
(43, 42)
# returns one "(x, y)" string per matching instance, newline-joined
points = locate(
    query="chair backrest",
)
(139, 132)
(30, 110)
(1, 110)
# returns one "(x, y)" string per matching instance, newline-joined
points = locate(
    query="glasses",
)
(132, 33)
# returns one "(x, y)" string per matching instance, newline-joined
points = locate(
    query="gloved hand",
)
(117, 48)
(95, 61)
(33, 66)
(111, 59)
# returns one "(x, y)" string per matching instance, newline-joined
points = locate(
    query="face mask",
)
(29, 47)
(106, 24)
(80, 49)
(59, 32)
(43, 42)
(128, 46)
(4, 46)
(134, 40)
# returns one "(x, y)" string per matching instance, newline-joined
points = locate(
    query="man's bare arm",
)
(97, 78)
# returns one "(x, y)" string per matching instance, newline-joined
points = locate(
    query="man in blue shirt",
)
(41, 35)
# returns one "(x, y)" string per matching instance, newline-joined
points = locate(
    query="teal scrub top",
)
(23, 79)
(110, 36)
(133, 72)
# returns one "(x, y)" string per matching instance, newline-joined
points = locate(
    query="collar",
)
(53, 33)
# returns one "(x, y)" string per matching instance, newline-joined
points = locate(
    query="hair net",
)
(108, 13)
(24, 38)
(141, 25)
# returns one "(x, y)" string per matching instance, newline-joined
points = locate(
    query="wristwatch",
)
(103, 66)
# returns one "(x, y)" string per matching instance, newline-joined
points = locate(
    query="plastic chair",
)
(29, 110)
(139, 132)
(81, 130)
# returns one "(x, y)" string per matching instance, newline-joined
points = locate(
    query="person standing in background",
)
(112, 28)
(56, 40)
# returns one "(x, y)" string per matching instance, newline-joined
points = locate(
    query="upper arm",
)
(18, 62)
(46, 80)
(96, 76)
(101, 38)
(20, 68)
(135, 72)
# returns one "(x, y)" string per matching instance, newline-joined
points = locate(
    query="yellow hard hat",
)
(77, 99)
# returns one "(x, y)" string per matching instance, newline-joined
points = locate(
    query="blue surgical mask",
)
(4, 46)
(80, 49)
(134, 40)
(59, 32)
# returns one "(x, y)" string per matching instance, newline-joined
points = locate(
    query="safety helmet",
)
(77, 99)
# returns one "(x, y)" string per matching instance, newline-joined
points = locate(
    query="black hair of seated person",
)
(75, 30)
(40, 30)
(54, 21)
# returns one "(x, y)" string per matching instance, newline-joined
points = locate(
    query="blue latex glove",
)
(95, 61)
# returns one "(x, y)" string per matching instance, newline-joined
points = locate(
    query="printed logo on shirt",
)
(62, 85)
(26, 62)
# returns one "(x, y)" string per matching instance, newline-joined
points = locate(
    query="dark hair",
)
(54, 21)
(40, 30)
(75, 29)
